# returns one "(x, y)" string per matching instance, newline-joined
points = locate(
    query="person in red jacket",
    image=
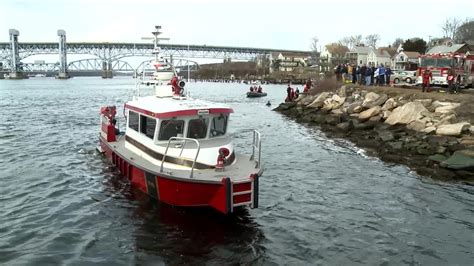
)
(450, 79)
(427, 76)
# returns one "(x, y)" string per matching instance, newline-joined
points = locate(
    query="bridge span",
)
(112, 53)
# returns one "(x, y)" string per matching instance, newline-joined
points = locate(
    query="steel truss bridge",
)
(113, 54)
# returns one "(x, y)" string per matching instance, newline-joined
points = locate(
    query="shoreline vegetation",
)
(432, 133)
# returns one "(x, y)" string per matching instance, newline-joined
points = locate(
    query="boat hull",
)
(256, 94)
(223, 195)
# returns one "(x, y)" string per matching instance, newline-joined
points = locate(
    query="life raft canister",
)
(221, 158)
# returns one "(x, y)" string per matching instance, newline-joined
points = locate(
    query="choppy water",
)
(321, 201)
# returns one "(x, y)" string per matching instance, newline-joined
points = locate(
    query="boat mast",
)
(156, 49)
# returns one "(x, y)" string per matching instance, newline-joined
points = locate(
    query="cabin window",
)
(133, 120)
(218, 126)
(147, 126)
(197, 128)
(170, 128)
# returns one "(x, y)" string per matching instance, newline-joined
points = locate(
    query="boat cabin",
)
(196, 124)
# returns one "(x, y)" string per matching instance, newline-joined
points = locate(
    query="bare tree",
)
(372, 40)
(356, 40)
(351, 41)
(450, 27)
(337, 50)
(397, 42)
(314, 44)
(314, 51)
(465, 31)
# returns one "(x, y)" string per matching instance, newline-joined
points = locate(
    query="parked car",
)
(403, 76)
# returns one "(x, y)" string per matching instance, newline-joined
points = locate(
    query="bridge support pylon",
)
(62, 56)
(107, 70)
(16, 71)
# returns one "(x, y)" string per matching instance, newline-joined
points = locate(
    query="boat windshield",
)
(170, 128)
(218, 125)
(197, 128)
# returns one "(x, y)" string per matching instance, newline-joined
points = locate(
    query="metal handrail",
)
(182, 148)
(256, 144)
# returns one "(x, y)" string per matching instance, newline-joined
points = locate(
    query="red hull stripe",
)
(191, 112)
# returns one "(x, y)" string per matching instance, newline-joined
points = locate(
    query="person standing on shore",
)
(450, 80)
(368, 76)
(358, 75)
(288, 93)
(427, 76)
(388, 73)
(354, 73)
(338, 72)
(381, 75)
(372, 77)
(363, 69)
(307, 86)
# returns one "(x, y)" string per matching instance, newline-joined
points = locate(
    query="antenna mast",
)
(156, 49)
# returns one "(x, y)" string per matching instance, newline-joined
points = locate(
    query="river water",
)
(322, 201)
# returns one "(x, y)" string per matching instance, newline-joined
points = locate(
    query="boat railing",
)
(256, 148)
(185, 140)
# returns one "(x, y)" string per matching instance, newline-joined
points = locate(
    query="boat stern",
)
(237, 193)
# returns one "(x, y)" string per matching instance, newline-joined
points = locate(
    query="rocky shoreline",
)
(430, 133)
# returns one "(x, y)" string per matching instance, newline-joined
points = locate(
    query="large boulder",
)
(405, 114)
(370, 97)
(354, 107)
(437, 104)
(370, 100)
(333, 103)
(342, 91)
(425, 102)
(389, 105)
(306, 99)
(417, 125)
(370, 113)
(285, 106)
(452, 129)
(319, 101)
(447, 109)
(460, 160)
(447, 119)
(429, 130)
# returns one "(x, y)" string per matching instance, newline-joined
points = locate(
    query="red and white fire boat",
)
(178, 150)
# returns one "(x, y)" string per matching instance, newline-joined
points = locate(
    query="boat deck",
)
(240, 170)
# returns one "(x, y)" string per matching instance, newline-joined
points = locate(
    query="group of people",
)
(363, 75)
(451, 79)
(256, 89)
(292, 94)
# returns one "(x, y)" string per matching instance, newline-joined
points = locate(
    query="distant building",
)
(450, 48)
(358, 55)
(288, 61)
(379, 56)
(405, 60)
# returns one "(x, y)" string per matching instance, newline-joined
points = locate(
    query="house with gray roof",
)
(405, 60)
(358, 55)
(450, 48)
(379, 56)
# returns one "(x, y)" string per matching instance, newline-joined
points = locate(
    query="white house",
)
(405, 60)
(379, 56)
(288, 61)
(358, 55)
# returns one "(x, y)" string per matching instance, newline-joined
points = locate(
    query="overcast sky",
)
(289, 24)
